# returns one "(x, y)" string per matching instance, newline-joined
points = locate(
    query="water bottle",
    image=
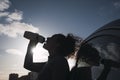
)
(34, 36)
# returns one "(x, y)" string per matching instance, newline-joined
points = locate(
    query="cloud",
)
(15, 16)
(14, 52)
(116, 4)
(13, 25)
(4, 4)
(16, 28)
(3, 14)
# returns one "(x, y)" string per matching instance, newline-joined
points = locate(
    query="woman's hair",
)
(67, 43)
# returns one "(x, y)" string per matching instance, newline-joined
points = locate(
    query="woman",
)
(87, 56)
(56, 68)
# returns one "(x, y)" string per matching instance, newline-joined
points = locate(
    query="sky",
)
(47, 17)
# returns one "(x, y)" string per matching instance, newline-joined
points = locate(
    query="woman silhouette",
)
(56, 68)
(87, 57)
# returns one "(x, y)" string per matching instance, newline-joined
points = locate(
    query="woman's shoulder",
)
(60, 59)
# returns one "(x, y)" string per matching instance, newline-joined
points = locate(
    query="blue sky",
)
(47, 17)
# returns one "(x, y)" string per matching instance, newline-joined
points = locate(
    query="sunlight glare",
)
(71, 62)
(40, 54)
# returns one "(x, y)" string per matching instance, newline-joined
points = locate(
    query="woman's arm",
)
(107, 67)
(28, 63)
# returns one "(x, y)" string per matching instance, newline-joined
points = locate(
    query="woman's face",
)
(51, 43)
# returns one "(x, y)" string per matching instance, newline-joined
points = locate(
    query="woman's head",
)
(89, 54)
(60, 44)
